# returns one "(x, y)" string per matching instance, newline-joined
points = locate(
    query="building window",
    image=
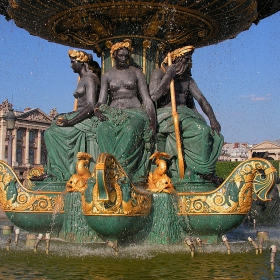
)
(20, 147)
(43, 150)
(6, 151)
(32, 148)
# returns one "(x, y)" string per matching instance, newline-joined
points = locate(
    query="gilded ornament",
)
(13, 4)
(178, 53)
(78, 55)
(234, 196)
(122, 197)
(158, 181)
(78, 181)
(125, 44)
(15, 197)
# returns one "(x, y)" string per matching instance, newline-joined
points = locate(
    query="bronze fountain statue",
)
(101, 177)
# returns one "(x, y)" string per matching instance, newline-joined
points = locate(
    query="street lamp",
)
(10, 125)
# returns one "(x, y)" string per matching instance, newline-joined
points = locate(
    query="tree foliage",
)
(224, 168)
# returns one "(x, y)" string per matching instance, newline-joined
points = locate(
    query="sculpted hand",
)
(171, 70)
(215, 127)
(99, 115)
(62, 122)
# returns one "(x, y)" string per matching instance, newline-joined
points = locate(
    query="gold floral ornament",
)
(121, 45)
(177, 53)
(78, 55)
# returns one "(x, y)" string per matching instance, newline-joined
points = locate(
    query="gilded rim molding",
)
(88, 24)
(105, 28)
(15, 197)
(234, 196)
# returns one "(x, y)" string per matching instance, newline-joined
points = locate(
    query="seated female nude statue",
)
(201, 144)
(127, 123)
(73, 132)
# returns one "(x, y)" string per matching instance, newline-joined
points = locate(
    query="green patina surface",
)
(39, 222)
(75, 227)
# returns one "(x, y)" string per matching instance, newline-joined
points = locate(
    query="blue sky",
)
(239, 77)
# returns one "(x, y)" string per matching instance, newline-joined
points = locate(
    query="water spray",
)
(39, 238)
(273, 250)
(254, 244)
(224, 238)
(48, 239)
(113, 245)
(8, 243)
(16, 235)
(189, 242)
(199, 243)
(261, 241)
(254, 223)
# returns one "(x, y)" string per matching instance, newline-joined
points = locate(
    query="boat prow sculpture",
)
(116, 209)
(212, 213)
(32, 207)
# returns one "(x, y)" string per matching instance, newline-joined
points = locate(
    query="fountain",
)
(110, 208)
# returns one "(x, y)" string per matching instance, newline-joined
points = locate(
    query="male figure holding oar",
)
(200, 144)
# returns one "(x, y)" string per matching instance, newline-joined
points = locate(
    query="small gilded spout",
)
(16, 235)
(189, 242)
(48, 239)
(113, 245)
(8, 243)
(261, 241)
(199, 243)
(254, 244)
(225, 240)
(39, 238)
(273, 250)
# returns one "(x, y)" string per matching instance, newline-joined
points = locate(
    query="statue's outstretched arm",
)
(205, 106)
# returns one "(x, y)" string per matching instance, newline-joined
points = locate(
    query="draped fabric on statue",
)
(126, 135)
(63, 144)
(201, 148)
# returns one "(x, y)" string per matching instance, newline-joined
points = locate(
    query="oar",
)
(176, 123)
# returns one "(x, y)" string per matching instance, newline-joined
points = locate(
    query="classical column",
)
(26, 154)
(39, 147)
(14, 153)
(2, 138)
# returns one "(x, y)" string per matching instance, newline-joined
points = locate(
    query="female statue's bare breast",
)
(82, 91)
(116, 85)
(123, 86)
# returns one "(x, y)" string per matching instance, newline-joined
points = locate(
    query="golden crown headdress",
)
(78, 55)
(178, 53)
(120, 45)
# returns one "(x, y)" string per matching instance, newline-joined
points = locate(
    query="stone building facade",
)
(267, 149)
(242, 151)
(234, 151)
(28, 147)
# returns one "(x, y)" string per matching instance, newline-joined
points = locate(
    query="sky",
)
(239, 77)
